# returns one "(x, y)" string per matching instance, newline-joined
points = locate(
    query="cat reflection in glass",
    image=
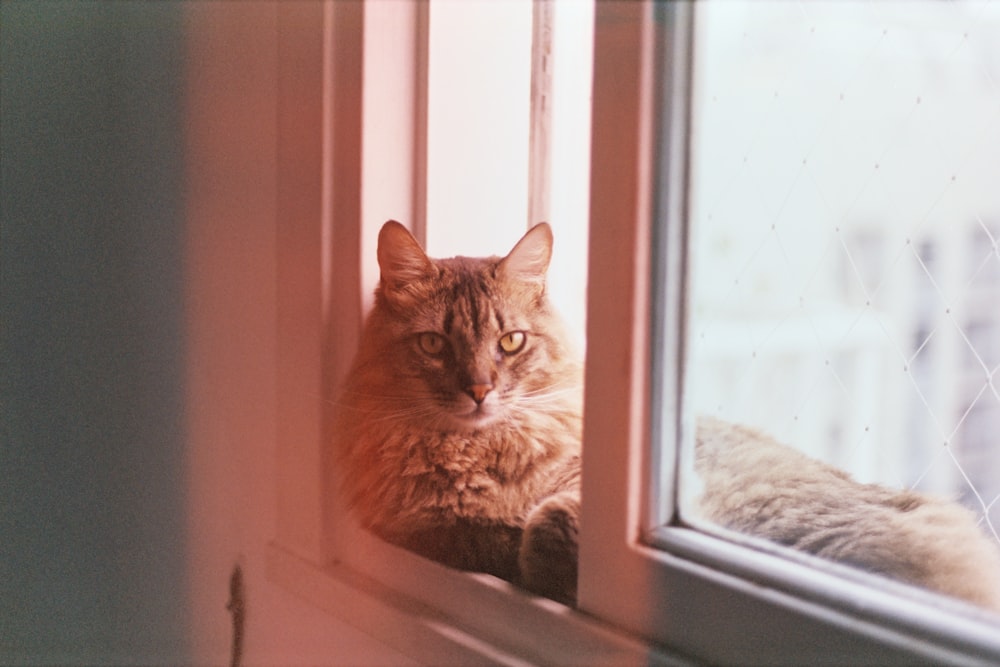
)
(459, 436)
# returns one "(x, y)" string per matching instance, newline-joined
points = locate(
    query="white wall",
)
(231, 263)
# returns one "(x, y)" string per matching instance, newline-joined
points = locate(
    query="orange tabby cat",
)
(460, 424)
(460, 431)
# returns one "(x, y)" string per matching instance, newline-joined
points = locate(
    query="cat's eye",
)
(432, 343)
(513, 342)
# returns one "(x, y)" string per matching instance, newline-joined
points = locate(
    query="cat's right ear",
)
(400, 258)
(529, 260)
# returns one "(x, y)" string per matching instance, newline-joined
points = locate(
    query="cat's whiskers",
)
(547, 395)
(558, 387)
(379, 412)
(380, 396)
(542, 398)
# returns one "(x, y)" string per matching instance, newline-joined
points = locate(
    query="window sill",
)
(422, 610)
(855, 613)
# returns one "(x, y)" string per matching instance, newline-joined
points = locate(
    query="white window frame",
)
(693, 594)
(715, 599)
(351, 71)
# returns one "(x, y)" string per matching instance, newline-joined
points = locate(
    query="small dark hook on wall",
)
(237, 607)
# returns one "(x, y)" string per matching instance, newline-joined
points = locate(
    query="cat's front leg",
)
(548, 554)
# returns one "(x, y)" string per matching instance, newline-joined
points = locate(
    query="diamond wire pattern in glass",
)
(845, 211)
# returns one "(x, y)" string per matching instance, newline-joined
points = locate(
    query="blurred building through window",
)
(845, 219)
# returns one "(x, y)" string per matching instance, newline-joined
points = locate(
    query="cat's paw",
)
(548, 554)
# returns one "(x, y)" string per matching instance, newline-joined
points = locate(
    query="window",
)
(510, 81)
(735, 604)
(814, 229)
(392, 147)
(649, 589)
(837, 234)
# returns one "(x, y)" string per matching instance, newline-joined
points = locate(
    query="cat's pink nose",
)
(478, 391)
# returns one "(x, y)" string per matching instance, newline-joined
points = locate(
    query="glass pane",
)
(844, 221)
(480, 104)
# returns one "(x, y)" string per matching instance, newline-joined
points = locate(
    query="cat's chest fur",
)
(413, 478)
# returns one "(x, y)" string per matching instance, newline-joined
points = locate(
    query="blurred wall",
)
(138, 260)
(92, 518)
(239, 101)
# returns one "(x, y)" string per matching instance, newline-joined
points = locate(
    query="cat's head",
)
(466, 342)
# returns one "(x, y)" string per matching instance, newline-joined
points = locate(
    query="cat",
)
(460, 421)
(459, 436)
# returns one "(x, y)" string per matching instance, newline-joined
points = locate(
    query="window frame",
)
(690, 595)
(742, 602)
(345, 72)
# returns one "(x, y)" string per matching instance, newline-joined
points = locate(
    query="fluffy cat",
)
(460, 424)
(459, 434)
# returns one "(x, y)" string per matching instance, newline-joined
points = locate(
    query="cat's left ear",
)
(529, 260)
